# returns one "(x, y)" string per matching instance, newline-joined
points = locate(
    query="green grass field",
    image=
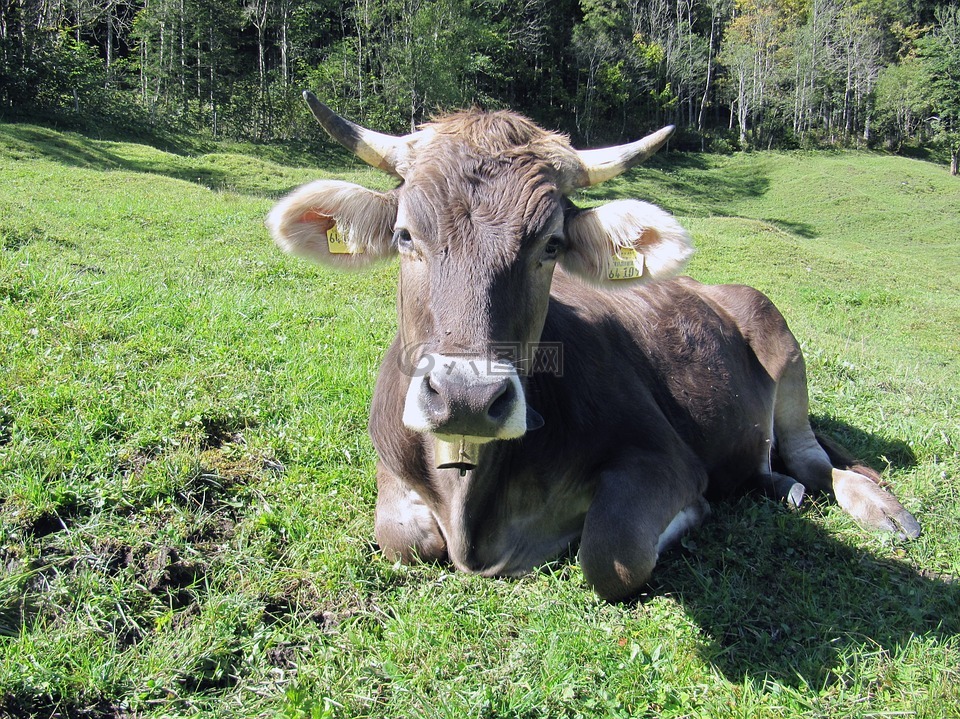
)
(186, 484)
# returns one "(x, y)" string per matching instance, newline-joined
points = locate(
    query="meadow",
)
(187, 487)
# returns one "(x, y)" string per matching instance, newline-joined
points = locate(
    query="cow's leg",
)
(782, 487)
(637, 512)
(404, 526)
(855, 490)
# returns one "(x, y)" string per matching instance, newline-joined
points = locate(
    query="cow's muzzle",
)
(460, 397)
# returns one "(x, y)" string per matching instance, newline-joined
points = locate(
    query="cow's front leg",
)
(637, 512)
(404, 526)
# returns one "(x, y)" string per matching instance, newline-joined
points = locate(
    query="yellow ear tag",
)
(626, 264)
(337, 246)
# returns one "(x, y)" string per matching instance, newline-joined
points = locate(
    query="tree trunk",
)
(262, 57)
(284, 58)
(199, 83)
(213, 81)
(742, 110)
(183, 58)
(706, 89)
(109, 59)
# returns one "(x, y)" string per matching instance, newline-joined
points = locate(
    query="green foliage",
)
(940, 54)
(903, 99)
(786, 74)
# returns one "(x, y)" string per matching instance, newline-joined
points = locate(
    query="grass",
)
(186, 485)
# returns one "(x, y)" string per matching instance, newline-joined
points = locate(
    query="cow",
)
(554, 383)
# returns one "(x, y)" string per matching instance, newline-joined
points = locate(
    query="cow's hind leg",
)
(404, 527)
(856, 489)
(637, 512)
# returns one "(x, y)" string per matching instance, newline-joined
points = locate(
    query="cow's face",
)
(480, 224)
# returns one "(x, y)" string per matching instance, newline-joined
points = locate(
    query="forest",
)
(731, 74)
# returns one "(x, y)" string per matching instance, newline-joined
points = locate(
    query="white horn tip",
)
(663, 134)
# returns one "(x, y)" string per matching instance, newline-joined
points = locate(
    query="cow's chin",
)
(458, 438)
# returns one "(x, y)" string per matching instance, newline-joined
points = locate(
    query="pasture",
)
(187, 487)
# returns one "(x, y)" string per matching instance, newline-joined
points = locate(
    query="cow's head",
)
(480, 222)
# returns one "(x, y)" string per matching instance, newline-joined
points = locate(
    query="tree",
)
(718, 10)
(939, 52)
(596, 43)
(902, 100)
(748, 52)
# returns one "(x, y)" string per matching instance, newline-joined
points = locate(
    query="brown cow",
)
(541, 391)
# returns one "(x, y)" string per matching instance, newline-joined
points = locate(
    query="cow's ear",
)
(625, 242)
(336, 223)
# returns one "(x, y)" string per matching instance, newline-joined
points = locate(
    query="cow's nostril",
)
(503, 403)
(431, 388)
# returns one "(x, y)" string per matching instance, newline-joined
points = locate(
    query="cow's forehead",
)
(454, 185)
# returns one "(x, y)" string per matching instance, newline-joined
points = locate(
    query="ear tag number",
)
(326, 224)
(626, 264)
(336, 244)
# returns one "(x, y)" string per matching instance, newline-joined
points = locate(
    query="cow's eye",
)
(552, 248)
(402, 239)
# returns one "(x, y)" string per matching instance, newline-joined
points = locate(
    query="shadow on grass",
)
(871, 449)
(79, 151)
(779, 597)
(799, 229)
(13, 237)
(689, 184)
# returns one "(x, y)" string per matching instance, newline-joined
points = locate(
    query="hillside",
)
(187, 488)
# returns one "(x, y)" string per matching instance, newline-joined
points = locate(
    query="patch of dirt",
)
(6, 426)
(56, 521)
(219, 475)
(205, 489)
(221, 430)
(17, 607)
(219, 670)
(282, 610)
(133, 463)
(301, 602)
(109, 556)
(283, 656)
(19, 516)
(163, 570)
(56, 707)
(47, 524)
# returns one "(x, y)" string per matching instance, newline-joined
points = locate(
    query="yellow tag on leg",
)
(626, 264)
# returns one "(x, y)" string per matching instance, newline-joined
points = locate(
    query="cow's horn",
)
(608, 162)
(382, 151)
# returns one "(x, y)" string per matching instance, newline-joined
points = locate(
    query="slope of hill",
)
(186, 485)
